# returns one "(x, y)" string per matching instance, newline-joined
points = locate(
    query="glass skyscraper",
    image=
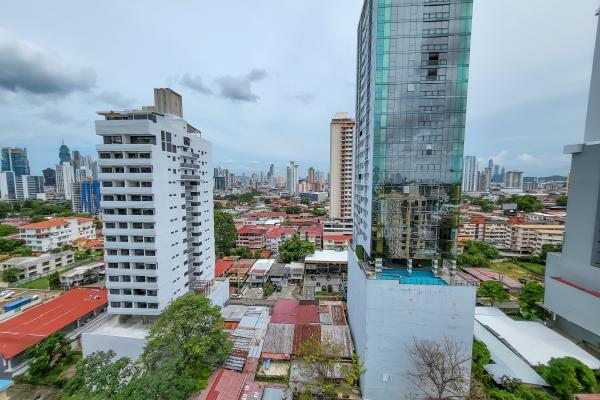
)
(412, 72)
(14, 159)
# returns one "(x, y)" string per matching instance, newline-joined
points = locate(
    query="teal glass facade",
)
(412, 74)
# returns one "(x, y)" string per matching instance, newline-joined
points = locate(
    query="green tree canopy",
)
(9, 245)
(486, 205)
(54, 281)
(10, 275)
(183, 347)
(527, 203)
(225, 232)
(531, 294)
(569, 376)
(293, 210)
(243, 252)
(477, 254)
(561, 201)
(549, 248)
(295, 249)
(45, 354)
(494, 291)
(6, 230)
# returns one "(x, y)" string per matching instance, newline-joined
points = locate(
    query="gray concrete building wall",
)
(386, 317)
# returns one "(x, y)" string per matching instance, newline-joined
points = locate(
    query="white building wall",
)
(386, 317)
(182, 222)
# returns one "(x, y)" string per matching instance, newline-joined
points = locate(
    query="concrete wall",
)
(123, 346)
(385, 318)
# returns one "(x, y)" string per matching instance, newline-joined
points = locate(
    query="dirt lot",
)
(30, 392)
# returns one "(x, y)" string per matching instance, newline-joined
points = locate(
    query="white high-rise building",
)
(513, 180)
(292, 179)
(469, 182)
(340, 166)
(65, 176)
(156, 183)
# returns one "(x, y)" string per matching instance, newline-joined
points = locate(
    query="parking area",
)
(287, 292)
(42, 294)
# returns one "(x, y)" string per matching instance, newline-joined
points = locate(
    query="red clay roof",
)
(337, 237)
(45, 224)
(279, 231)
(251, 229)
(308, 314)
(33, 325)
(222, 266)
(315, 230)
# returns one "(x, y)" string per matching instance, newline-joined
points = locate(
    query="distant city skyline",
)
(274, 106)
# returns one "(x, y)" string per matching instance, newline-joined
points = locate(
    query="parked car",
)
(8, 294)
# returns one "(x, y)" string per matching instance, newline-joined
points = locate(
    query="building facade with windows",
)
(469, 182)
(56, 233)
(156, 183)
(340, 166)
(412, 73)
(292, 179)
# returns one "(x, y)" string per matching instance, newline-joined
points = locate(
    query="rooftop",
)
(34, 324)
(45, 224)
(327, 256)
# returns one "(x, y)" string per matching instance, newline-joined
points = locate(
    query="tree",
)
(481, 358)
(561, 201)
(10, 275)
(22, 251)
(293, 210)
(243, 252)
(225, 232)
(476, 254)
(527, 203)
(183, 347)
(486, 204)
(99, 376)
(38, 218)
(305, 201)
(6, 230)
(319, 212)
(569, 376)
(531, 294)
(439, 369)
(321, 360)
(43, 356)
(494, 291)
(268, 289)
(8, 245)
(190, 330)
(549, 248)
(89, 276)
(257, 254)
(54, 281)
(295, 249)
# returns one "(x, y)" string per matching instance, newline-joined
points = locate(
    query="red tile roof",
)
(33, 325)
(45, 224)
(279, 231)
(314, 230)
(251, 229)
(222, 266)
(337, 237)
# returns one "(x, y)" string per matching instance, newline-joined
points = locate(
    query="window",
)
(113, 139)
(432, 74)
(142, 140)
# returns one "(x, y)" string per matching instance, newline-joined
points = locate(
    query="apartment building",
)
(340, 166)
(513, 235)
(251, 236)
(55, 233)
(156, 185)
(30, 267)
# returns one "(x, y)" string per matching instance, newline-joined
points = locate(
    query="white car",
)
(8, 294)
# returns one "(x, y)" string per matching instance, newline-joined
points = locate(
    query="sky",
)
(262, 79)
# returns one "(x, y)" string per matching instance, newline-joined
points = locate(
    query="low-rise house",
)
(259, 273)
(295, 272)
(252, 237)
(31, 267)
(325, 271)
(277, 235)
(77, 276)
(313, 234)
(336, 242)
(277, 274)
(57, 232)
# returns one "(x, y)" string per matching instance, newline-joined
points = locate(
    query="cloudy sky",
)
(262, 79)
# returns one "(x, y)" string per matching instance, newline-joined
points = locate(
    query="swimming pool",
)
(417, 277)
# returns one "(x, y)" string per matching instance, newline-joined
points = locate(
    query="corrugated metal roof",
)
(304, 332)
(339, 335)
(279, 339)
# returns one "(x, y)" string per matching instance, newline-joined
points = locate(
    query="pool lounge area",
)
(418, 277)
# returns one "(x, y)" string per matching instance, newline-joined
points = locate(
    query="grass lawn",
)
(41, 283)
(511, 270)
(533, 267)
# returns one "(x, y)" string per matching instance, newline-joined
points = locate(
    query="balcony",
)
(103, 176)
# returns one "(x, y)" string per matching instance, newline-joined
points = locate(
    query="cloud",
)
(115, 99)
(239, 88)
(195, 83)
(525, 157)
(57, 117)
(26, 67)
(304, 98)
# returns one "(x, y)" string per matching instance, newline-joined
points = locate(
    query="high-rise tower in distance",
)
(292, 179)
(412, 73)
(340, 166)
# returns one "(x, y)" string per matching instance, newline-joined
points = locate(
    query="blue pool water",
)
(417, 277)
